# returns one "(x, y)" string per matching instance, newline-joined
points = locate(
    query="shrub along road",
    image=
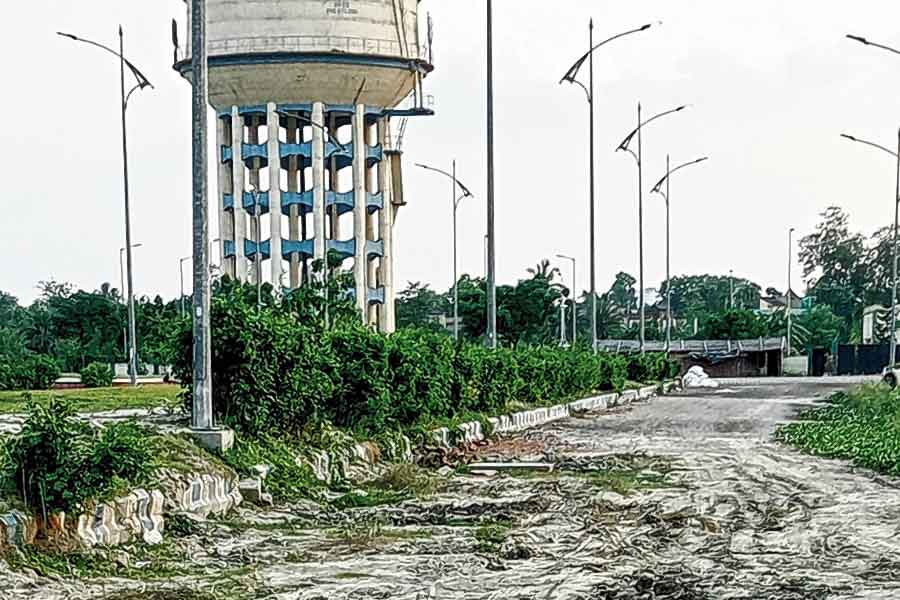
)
(688, 497)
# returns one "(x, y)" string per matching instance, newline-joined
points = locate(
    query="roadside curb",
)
(473, 432)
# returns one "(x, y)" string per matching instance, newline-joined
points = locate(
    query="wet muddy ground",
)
(686, 497)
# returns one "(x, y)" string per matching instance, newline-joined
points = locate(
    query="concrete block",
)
(216, 440)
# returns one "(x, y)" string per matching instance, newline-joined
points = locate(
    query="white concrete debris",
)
(696, 377)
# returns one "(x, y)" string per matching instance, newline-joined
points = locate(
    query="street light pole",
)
(455, 261)
(641, 225)
(789, 295)
(894, 242)
(668, 259)
(574, 299)
(181, 280)
(125, 337)
(455, 200)
(624, 146)
(202, 413)
(491, 266)
(571, 76)
(893, 354)
(142, 82)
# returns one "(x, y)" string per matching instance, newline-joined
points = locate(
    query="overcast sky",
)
(772, 84)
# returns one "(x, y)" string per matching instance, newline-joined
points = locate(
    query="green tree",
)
(837, 268)
(737, 324)
(418, 304)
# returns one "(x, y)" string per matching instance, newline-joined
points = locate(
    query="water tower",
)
(304, 92)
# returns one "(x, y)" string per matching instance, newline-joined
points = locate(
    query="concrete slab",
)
(216, 440)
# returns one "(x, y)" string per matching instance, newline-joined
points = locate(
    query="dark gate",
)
(863, 359)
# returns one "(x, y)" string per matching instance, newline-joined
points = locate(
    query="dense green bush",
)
(862, 425)
(279, 367)
(59, 462)
(97, 375)
(651, 367)
(28, 372)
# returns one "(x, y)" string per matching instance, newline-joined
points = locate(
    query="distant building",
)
(447, 322)
(773, 304)
(875, 324)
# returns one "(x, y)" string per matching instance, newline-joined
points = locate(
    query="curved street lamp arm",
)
(311, 123)
(142, 81)
(572, 73)
(658, 186)
(466, 192)
(630, 136)
(863, 40)
(873, 144)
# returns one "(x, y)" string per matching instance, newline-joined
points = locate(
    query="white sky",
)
(772, 84)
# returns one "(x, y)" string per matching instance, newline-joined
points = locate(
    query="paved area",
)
(685, 497)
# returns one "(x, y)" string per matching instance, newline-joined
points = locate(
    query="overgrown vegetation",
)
(60, 463)
(281, 367)
(862, 425)
(97, 375)
(96, 400)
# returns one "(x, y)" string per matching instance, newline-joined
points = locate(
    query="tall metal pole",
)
(574, 306)
(593, 201)
(640, 158)
(668, 260)
(202, 414)
(132, 336)
(455, 261)
(491, 270)
(562, 321)
(181, 281)
(731, 287)
(893, 356)
(124, 301)
(788, 295)
(258, 255)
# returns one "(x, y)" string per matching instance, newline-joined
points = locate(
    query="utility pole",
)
(593, 202)
(668, 259)
(455, 260)
(893, 356)
(574, 298)
(640, 160)
(181, 281)
(491, 266)
(788, 295)
(202, 414)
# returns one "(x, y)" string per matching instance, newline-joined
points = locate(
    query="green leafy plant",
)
(60, 463)
(97, 375)
(862, 425)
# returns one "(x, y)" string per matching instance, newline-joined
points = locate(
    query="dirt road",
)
(686, 497)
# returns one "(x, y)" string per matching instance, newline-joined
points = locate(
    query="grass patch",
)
(491, 536)
(369, 498)
(288, 480)
(145, 563)
(97, 400)
(862, 426)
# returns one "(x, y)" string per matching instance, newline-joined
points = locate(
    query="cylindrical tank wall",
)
(333, 51)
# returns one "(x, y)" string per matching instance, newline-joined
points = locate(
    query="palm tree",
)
(544, 270)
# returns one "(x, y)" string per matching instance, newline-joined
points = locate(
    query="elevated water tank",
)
(333, 51)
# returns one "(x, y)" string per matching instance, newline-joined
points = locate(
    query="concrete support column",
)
(318, 176)
(226, 220)
(237, 190)
(371, 232)
(294, 233)
(334, 219)
(387, 318)
(360, 271)
(256, 220)
(274, 152)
